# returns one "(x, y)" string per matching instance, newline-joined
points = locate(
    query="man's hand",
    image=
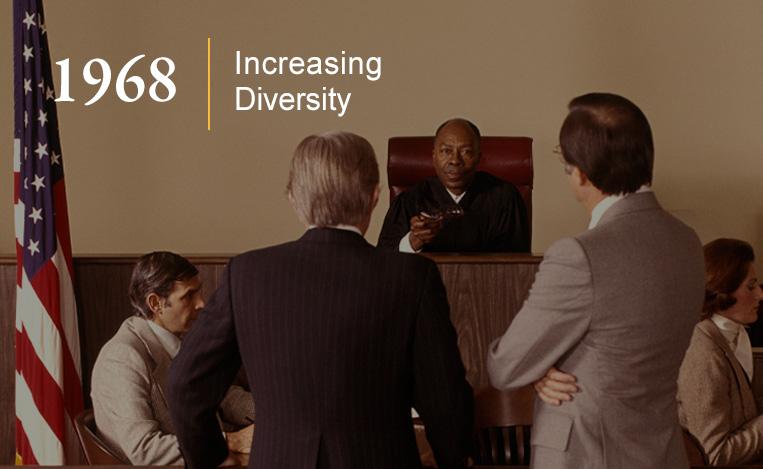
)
(556, 387)
(423, 230)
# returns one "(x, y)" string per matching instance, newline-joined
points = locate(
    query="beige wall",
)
(145, 176)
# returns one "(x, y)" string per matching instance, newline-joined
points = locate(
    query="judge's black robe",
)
(494, 220)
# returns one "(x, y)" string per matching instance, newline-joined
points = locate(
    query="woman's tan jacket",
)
(715, 400)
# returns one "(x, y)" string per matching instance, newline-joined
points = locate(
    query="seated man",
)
(129, 376)
(461, 209)
(339, 339)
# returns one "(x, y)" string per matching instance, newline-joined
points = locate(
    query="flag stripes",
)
(48, 370)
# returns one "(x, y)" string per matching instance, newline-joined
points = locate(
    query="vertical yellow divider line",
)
(209, 94)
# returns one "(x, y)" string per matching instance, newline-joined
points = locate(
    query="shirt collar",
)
(607, 202)
(339, 227)
(456, 198)
(729, 328)
(170, 342)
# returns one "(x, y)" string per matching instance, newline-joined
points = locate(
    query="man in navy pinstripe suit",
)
(339, 339)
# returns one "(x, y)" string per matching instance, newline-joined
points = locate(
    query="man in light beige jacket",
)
(129, 376)
(613, 307)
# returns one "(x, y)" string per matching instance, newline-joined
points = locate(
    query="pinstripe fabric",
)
(339, 340)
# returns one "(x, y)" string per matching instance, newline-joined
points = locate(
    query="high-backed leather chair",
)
(503, 422)
(409, 161)
(96, 451)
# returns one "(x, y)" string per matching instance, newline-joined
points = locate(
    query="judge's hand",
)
(423, 230)
(241, 441)
(556, 387)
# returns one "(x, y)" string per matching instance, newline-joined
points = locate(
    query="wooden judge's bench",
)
(485, 293)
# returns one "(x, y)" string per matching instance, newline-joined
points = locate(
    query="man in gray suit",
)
(609, 317)
(130, 374)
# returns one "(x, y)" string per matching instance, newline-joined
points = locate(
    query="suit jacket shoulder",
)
(128, 392)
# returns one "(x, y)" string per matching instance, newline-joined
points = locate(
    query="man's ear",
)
(377, 191)
(580, 177)
(154, 303)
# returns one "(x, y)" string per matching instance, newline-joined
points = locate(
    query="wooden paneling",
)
(484, 298)
(484, 292)
(7, 362)
(757, 373)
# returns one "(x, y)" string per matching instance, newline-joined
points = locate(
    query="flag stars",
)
(49, 93)
(29, 20)
(43, 118)
(26, 120)
(28, 54)
(42, 150)
(38, 183)
(26, 186)
(26, 153)
(36, 215)
(55, 159)
(27, 86)
(41, 84)
(34, 247)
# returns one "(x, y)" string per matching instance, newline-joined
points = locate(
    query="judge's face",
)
(179, 310)
(456, 155)
(748, 296)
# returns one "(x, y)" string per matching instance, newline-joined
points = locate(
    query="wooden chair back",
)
(96, 451)
(503, 424)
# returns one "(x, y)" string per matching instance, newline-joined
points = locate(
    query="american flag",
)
(48, 383)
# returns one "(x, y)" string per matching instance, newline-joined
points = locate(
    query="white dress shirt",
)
(339, 227)
(609, 201)
(738, 340)
(405, 243)
(170, 342)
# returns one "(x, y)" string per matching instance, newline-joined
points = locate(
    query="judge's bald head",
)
(334, 180)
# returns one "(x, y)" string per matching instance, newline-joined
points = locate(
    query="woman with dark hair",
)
(715, 399)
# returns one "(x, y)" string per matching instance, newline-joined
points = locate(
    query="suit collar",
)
(709, 328)
(632, 203)
(333, 235)
(139, 326)
(601, 208)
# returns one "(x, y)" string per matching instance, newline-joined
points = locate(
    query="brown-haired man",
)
(130, 374)
(614, 307)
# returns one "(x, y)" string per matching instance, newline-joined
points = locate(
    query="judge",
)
(461, 209)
